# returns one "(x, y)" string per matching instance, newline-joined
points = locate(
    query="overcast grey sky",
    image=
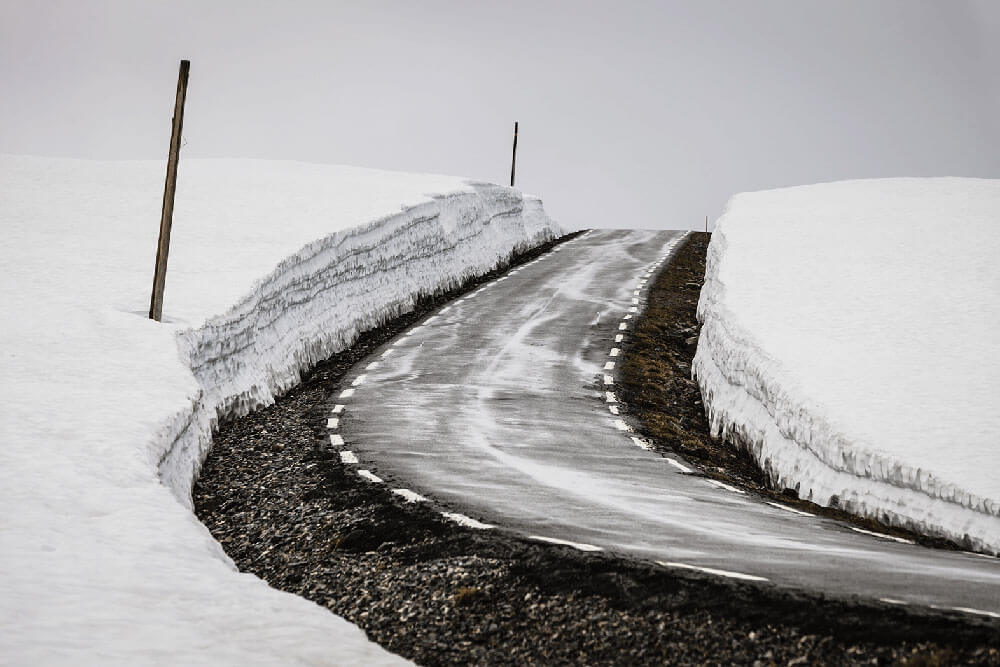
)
(633, 114)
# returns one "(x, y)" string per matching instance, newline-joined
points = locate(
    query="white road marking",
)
(622, 326)
(608, 379)
(337, 440)
(347, 393)
(893, 601)
(621, 425)
(677, 464)
(627, 317)
(370, 476)
(565, 543)
(338, 408)
(711, 570)
(970, 610)
(635, 302)
(447, 308)
(615, 352)
(883, 536)
(609, 366)
(332, 422)
(372, 366)
(359, 380)
(619, 338)
(973, 553)
(723, 485)
(430, 319)
(613, 409)
(790, 509)
(642, 444)
(348, 456)
(633, 309)
(409, 496)
(610, 397)
(466, 521)
(387, 353)
(636, 292)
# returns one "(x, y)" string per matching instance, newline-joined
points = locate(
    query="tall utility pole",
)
(513, 158)
(167, 214)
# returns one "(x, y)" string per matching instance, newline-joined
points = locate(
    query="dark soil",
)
(655, 385)
(288, 511)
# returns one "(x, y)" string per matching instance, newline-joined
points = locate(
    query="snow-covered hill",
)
(107, 415)
(851, 341)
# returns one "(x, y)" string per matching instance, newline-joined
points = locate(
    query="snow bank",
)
(850, 341)
(273, 265)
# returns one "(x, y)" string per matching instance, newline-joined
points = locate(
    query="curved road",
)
(501, 406)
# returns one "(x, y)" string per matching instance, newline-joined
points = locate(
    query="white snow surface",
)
(851, 340)
(106, 415)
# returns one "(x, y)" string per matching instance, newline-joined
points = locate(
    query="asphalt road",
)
(498, 407)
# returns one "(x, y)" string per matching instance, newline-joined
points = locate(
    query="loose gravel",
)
(285, 509)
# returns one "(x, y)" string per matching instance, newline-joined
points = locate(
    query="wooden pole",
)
(167, 214)
(513, 158)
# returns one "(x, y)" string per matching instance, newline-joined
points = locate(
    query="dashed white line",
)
(970, 610)
(332, 422)
(633, 309)
(723, 485)
(609, 366)
(711, 570)
(893, 601)
(621, 425)
(372, 366)
(790, 509)
(622, 326)
(336, 440)
(627, 317)
(636, 293)
(347, 456)
(642, 444)
(447, 308)
(347, 393)
(338, 408)
(615, 352)
(610, 397)
(677, 464)
(635, 302)
(883, 536)
(608, 379)
(387, 353)
(613, 409)
(619, 338)
(359, 380)
(565, 543)
(466, 521)
(409, 496)
(370, 476)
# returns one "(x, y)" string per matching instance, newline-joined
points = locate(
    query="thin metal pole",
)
(167, 214)
(513, 158)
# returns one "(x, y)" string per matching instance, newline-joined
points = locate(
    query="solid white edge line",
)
(893, 601)
(970, 610)
(566, 543)
(789, 509)
(409, 496)
(711, 570)
(901, 540)
(347, 456)
(466, 521)
(338, 408)
(336, 440)
(370, 476)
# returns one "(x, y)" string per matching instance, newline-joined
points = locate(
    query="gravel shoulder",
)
(285, 509)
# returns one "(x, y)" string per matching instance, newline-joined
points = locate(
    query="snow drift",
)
(273, 266)
(850, 342)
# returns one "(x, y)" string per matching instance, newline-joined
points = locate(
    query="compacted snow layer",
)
(106, 416)
(850, 342)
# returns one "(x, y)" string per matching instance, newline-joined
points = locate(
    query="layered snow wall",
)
(106, 416)
(850, 342)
